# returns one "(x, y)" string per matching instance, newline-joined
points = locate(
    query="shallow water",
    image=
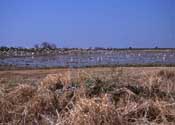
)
(83, 60)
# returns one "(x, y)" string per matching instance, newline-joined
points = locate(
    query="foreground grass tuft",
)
(97, 98)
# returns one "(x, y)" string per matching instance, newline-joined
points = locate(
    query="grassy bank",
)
(97, 96)
(11, 67)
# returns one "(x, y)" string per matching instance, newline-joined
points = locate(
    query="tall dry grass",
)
(114, 97)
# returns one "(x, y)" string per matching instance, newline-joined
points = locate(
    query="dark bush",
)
(45, 45)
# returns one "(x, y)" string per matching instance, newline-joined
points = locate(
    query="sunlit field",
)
(88, 96)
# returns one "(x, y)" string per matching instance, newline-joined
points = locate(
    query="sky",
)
(88, 23)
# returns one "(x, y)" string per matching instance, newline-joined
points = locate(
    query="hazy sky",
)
(85, 23)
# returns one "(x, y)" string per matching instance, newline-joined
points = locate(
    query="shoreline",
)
(8, 68)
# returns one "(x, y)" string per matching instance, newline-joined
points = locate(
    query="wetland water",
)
(94, 59)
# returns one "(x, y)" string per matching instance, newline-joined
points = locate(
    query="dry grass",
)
(80, 97)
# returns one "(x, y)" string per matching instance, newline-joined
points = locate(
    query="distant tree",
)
(46, 45)
(156, 47)
(99, 48)
(109, 48)
(20, 48)
(12, 48)
(130, 47)
(4, 48)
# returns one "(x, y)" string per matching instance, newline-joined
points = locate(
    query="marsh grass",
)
(96, 98)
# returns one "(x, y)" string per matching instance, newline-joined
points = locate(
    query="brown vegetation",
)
(115, 96)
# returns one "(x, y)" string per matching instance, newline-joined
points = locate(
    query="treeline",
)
(52, 46)
(42, 46)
